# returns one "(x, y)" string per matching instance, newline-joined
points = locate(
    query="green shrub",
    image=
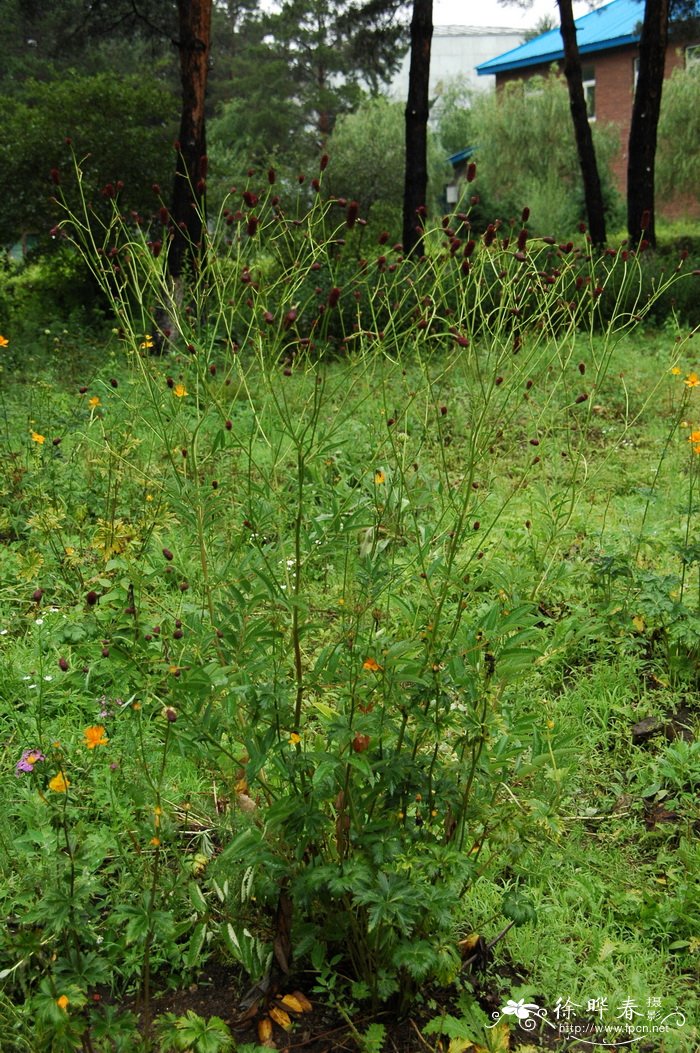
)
(678, 152)
(526, 153)
(49, 292)
(282, 601)
(117, 128)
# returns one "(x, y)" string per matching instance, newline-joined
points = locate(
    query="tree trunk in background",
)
(645, 121)
(190, 170)
(595, 208)
(416, 172)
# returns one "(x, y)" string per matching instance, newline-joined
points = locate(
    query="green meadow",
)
(349, 638)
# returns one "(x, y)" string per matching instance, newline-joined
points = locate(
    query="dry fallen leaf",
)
(303, 1001)
(264, 1030)
(246, 803)
(293, 1004)
(469, 944)
(280, 1017)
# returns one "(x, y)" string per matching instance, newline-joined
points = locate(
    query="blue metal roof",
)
(463, 155)
(611, 26)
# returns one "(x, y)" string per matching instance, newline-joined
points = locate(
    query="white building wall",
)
(455, 52)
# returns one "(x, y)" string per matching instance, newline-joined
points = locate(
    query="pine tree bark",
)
(417, 105)
(593, 193)
(645, 121)
(190, 171)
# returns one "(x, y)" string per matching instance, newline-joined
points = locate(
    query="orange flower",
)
(95, 736)
(371, 664)
(4, 341)
(692, 380)
(94, 401)
(694, 436)
(294, 739)
(63, 1002)
(59, 783)
(36, 437)
(179, 391)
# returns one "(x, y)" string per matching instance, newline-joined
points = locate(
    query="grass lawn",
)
(372, 681)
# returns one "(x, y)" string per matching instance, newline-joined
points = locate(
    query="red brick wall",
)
(614, 88)
(614, 76)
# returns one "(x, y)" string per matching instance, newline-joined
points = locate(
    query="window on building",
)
(692, 56)
(588, 76)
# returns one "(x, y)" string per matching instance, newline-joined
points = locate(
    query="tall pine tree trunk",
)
(595, 208)
(416, 171)
(645, 121)
(190, 171)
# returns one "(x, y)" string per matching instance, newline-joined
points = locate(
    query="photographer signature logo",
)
(596, 1022)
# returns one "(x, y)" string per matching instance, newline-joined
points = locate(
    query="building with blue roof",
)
(608, 40)
(613, 26)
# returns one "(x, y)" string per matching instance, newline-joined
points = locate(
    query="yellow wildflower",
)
(147, 342)
(94, 401)
(294, 739)
(4, 341)
(155, 841)
(59, 783)
(676, 371)
(379, 477)
(95, 736)
(179, 391)
(692, 380)
(371, 664)
(63, 1002)
(36, 437)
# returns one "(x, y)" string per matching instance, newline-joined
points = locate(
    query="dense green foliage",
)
(302, 622)
(527, 155)
(121, 129)
(333, 602)
(47, 41)
(302, 66)
(367, 149)
(678, 153)
(452, 113)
